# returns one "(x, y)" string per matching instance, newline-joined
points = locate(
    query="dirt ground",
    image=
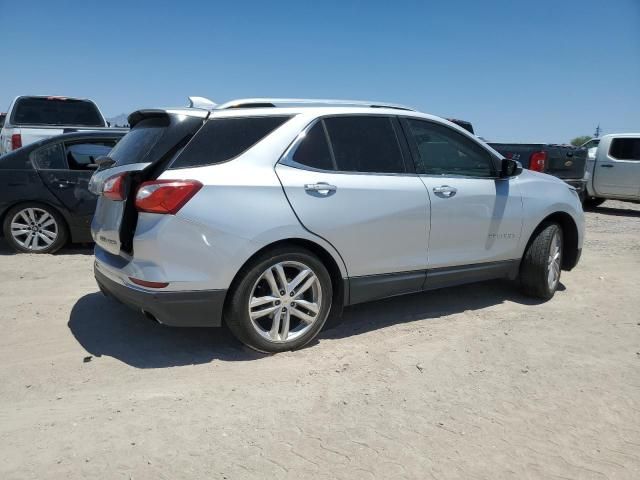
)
(465, 383)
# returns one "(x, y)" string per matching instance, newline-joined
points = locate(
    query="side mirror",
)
(510, 168)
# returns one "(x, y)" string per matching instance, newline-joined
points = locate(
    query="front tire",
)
(34, 228)
(542, 262)
(280, 301)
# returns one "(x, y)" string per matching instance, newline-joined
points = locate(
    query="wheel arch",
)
(570, 237)
(341, 285)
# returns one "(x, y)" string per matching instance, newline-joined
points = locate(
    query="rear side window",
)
(82, 156)
(625, 148)
(56, 111)
(365, 144)
(443, 151)
(222, 139)
(50, 157)
(135, 145)
(313, 151)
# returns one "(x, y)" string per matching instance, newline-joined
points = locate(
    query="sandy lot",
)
(470, 382)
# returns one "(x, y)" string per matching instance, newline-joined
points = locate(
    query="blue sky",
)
(540, 70)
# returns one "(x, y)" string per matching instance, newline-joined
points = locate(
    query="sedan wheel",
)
(34, 228)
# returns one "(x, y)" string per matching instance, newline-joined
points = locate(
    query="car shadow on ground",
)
(104, 327)
(616, 212)
(71, 249)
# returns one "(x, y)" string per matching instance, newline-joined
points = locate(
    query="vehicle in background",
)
(271, 216)
(566, 162)
(614, 169)
(33, 118)
(2, 117)
(44, 200)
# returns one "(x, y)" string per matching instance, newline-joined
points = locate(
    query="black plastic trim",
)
(374, 287)
(176, 309)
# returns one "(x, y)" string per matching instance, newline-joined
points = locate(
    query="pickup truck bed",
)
(563, 161)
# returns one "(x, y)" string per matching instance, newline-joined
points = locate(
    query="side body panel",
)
(481, 222)
(612, 177)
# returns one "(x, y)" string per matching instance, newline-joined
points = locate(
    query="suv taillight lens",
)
(16, 141)
(165, 196)
(113, 187)
(538, 161)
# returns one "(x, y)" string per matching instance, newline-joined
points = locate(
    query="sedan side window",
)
(365, 143)
(82, 156)
(443, 151)
(50, 157)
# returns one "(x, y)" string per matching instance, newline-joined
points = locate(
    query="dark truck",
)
(566, 162)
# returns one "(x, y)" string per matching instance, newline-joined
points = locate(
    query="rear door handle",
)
(445, 191)
(320, 187)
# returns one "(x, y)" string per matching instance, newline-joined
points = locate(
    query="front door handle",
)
(445, 191)
(321, 187)
(607, 165)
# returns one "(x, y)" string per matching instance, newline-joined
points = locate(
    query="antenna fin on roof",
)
(201, 102)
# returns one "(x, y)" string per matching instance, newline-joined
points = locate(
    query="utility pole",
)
(597, 134)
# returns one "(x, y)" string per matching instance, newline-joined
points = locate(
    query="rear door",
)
(349, 182)
(66, 167)
(475, 216)
(617, 168)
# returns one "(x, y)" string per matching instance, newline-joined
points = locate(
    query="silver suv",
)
(271, 215)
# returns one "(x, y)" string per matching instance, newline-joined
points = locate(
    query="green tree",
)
(576, 142)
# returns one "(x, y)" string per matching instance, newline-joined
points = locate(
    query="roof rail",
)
(276, 102)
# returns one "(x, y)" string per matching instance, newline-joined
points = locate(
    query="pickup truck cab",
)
(613, 169)
(33, 118)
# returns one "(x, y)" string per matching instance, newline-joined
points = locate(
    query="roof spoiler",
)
(201, 102)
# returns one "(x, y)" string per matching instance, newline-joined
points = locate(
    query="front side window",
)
(363, 143)
(82, 156)
(443, 151)
(625, 148)
(49, 157)
(222, 139)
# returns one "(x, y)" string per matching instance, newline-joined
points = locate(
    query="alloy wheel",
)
(285, 301)
(34, 229)
(553, 264)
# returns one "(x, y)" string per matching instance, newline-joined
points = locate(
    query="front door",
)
(475, 216)
(349, 182)
(617, 168)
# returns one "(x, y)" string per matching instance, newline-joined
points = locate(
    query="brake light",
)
(538, 161)
(16, 141)
(165, 196)
(114, 187)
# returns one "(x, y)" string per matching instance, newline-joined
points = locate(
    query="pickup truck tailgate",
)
(563, 161)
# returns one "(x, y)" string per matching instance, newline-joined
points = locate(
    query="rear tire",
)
(542, 262)
(293, 287)
(593, 202)
(35, 228)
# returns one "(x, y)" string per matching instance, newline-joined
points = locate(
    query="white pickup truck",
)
(33, 118)
(613, 169)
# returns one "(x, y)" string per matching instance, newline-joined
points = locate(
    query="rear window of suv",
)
(56, 111)
(223, 139)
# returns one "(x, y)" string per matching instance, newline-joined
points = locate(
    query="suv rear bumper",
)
(176, 309)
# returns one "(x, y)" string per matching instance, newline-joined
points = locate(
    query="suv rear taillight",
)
(165, 196)
(16, 141)
(113, 187)
(538, 161)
